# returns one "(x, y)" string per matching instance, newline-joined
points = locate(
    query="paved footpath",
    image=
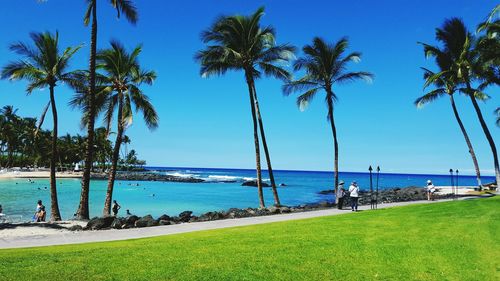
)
(78, 237)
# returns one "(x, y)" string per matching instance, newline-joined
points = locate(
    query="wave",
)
(182, 175)
(212, 178)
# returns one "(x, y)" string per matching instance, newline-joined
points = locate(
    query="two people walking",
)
(353, 195)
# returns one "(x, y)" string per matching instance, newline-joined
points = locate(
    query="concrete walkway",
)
(64, 238)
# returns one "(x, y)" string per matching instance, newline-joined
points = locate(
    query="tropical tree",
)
(43, 66)
(9, 127)
(325, 66)
(124, 77)
(240, 43)
(127, 8)
(446, 85)
(470, 66)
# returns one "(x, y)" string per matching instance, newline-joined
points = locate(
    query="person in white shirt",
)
(340, 195)
(354, 195)
(430, 190)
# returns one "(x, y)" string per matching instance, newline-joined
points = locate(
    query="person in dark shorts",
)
(354, 196)
(340, 195)
(115, 208)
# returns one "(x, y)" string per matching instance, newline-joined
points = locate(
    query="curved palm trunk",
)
(266, 151)
(114, 162)
(335, 146)
(83, 209)
(250, 83)
(486, 133)
(54, 205)
(467, 140)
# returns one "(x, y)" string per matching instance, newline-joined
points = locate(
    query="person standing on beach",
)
(354, 195)
(115, 208)
(430, 190)
(340, 195)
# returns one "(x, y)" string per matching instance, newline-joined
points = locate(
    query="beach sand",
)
(36, 229)
(461, 190)
(37, 174)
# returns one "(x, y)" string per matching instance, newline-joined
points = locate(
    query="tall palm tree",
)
(127, 8)
(325, 66)
(468, 65)
(240, 43)
(446, 85)
(124, 77)
(43, 66)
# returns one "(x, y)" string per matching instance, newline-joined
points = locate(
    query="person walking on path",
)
(354, 195)
(340, 195)
(430, 190)
(115, 208)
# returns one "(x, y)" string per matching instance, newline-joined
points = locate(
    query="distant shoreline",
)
(38, 174)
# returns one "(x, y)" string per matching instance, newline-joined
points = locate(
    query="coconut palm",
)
(124, 77)
(43, 66)
(468, 65)
(127, 8)
(446, 85)
(240, 43)
(325, 66)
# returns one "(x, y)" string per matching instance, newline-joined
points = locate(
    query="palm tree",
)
(468, 65)
(43, 66)
(240, 43)
(325, 66)
(127, 8)
(124, 76)
(446, 85)
(9, 128)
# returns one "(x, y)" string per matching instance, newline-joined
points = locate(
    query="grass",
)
(445, 241)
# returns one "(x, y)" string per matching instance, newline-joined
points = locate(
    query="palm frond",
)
(429, 97)
(304, 99)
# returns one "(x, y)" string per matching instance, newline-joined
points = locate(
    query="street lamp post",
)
(376, 193)
(456, 182)
(452, 183)
(371, 187)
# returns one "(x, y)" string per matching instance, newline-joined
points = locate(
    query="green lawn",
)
(445, 241)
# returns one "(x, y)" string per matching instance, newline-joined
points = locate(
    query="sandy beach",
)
(37, 174)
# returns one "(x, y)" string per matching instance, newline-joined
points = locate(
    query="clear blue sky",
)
(207, 122)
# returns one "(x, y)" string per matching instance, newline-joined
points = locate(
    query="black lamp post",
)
(456, 182)
(371, 187)
(452, 183)
(376, 194)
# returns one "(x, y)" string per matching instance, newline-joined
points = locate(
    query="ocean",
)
(222, 190)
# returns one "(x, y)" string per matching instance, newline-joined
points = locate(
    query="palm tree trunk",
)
(54, 205)
(486, 133)
(83, 209)
(116, 155)
(467, 140)
(250, 83)
(335, 146)
(266, 151)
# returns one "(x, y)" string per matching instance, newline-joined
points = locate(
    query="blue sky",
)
(207, 122)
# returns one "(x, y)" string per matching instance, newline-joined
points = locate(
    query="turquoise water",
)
(18, 196)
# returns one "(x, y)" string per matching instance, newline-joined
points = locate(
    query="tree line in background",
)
(24, 144)
(112, 85)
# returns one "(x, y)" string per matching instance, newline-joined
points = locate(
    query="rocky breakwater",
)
(147, 176)
(101, 223)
